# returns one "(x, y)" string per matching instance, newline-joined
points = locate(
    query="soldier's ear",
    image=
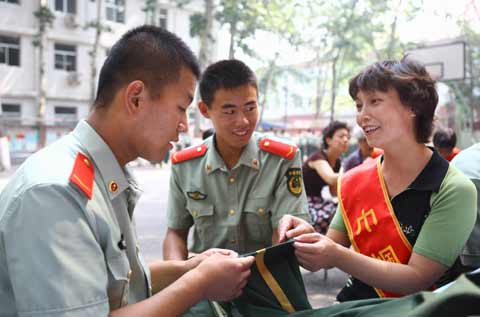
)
(203, 109)
(134, 95)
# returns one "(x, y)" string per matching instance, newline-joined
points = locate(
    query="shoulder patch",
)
(278, 148)
(83, 174)
(190, 153)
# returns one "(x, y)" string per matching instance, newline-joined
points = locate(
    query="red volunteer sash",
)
(369, 218)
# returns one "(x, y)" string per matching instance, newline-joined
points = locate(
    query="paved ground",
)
(151, 228)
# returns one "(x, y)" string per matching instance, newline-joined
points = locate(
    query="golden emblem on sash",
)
(387, 254)
(364, 218)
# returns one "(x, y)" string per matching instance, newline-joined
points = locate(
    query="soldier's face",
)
(165, 117)
(234, 115)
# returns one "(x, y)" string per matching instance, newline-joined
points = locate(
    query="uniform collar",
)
(249, 156)
(113, 175)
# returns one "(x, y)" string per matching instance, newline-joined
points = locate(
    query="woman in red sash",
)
(403, 218)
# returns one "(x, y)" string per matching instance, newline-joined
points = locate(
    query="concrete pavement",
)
(151, 228)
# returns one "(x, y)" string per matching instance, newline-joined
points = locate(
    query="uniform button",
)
(233, 241)
(231, 212)
(266, 144)
(195, 213)
(113, 186)
(231, 179)
(86, 162)
(261, 211)
(255, 163)
(199, 149)
(129, 275)
(208, 167)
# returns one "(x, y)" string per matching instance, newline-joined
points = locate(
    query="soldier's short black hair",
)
(330, 130)
(227, 74)
(445, 139)
(413, 84)
(148, 53)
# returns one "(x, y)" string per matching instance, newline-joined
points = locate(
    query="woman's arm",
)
(325, 171)
(315, 251)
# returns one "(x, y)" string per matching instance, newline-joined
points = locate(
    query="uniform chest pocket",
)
(118, 281)
(201, 211)
(256, 219)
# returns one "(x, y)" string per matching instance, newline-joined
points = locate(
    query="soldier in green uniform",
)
(68, 245)
(237, 184)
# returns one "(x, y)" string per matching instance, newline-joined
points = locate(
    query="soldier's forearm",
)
(175, 245)
(164, 273)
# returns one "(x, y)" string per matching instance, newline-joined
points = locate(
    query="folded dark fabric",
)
(275, 287)
(462, 298)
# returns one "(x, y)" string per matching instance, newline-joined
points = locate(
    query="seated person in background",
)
(444, 141)
(236, 185)
(363, 151)
(408, 213)
(468, 162)
(321, 169)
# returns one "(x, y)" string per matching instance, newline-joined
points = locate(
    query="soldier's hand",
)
(226, 252)
(194, 261)
(223, 277)
(290, 227)
(315, 251)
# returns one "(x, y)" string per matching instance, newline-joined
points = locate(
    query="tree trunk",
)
(268, 81)
(204, 55)
(207, 39)
(42, 96)
(233, 33)
(334, 85)
(393, 32)
(93, 53)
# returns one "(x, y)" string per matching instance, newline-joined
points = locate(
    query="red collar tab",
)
(190, 153)
(278, 148)
(83, 174)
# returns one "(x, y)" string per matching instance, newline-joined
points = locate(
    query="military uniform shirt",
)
(236, 209)
(62, 254)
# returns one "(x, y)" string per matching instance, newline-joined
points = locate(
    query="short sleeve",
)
(287, 198)
(451, 219)
(55, 265)
(337, 222)
(178, 216)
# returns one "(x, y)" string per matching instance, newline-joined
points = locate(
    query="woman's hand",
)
(290, 227)
(315, 251)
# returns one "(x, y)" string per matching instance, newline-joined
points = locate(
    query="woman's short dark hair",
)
(413, 84)
(148, 53)
(330, 130)
(227, 74)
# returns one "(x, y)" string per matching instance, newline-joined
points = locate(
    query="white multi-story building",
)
(67, 59)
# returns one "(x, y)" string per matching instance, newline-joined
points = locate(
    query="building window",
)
(163, 18)
(115, 10)
(10, 1)
(66, 113)
(66, 6)
(11, 110)
(65, 57)
(9, 50)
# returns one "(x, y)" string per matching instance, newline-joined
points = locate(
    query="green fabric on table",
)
(257, 298)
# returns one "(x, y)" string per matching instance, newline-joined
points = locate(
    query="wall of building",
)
(20, 84)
